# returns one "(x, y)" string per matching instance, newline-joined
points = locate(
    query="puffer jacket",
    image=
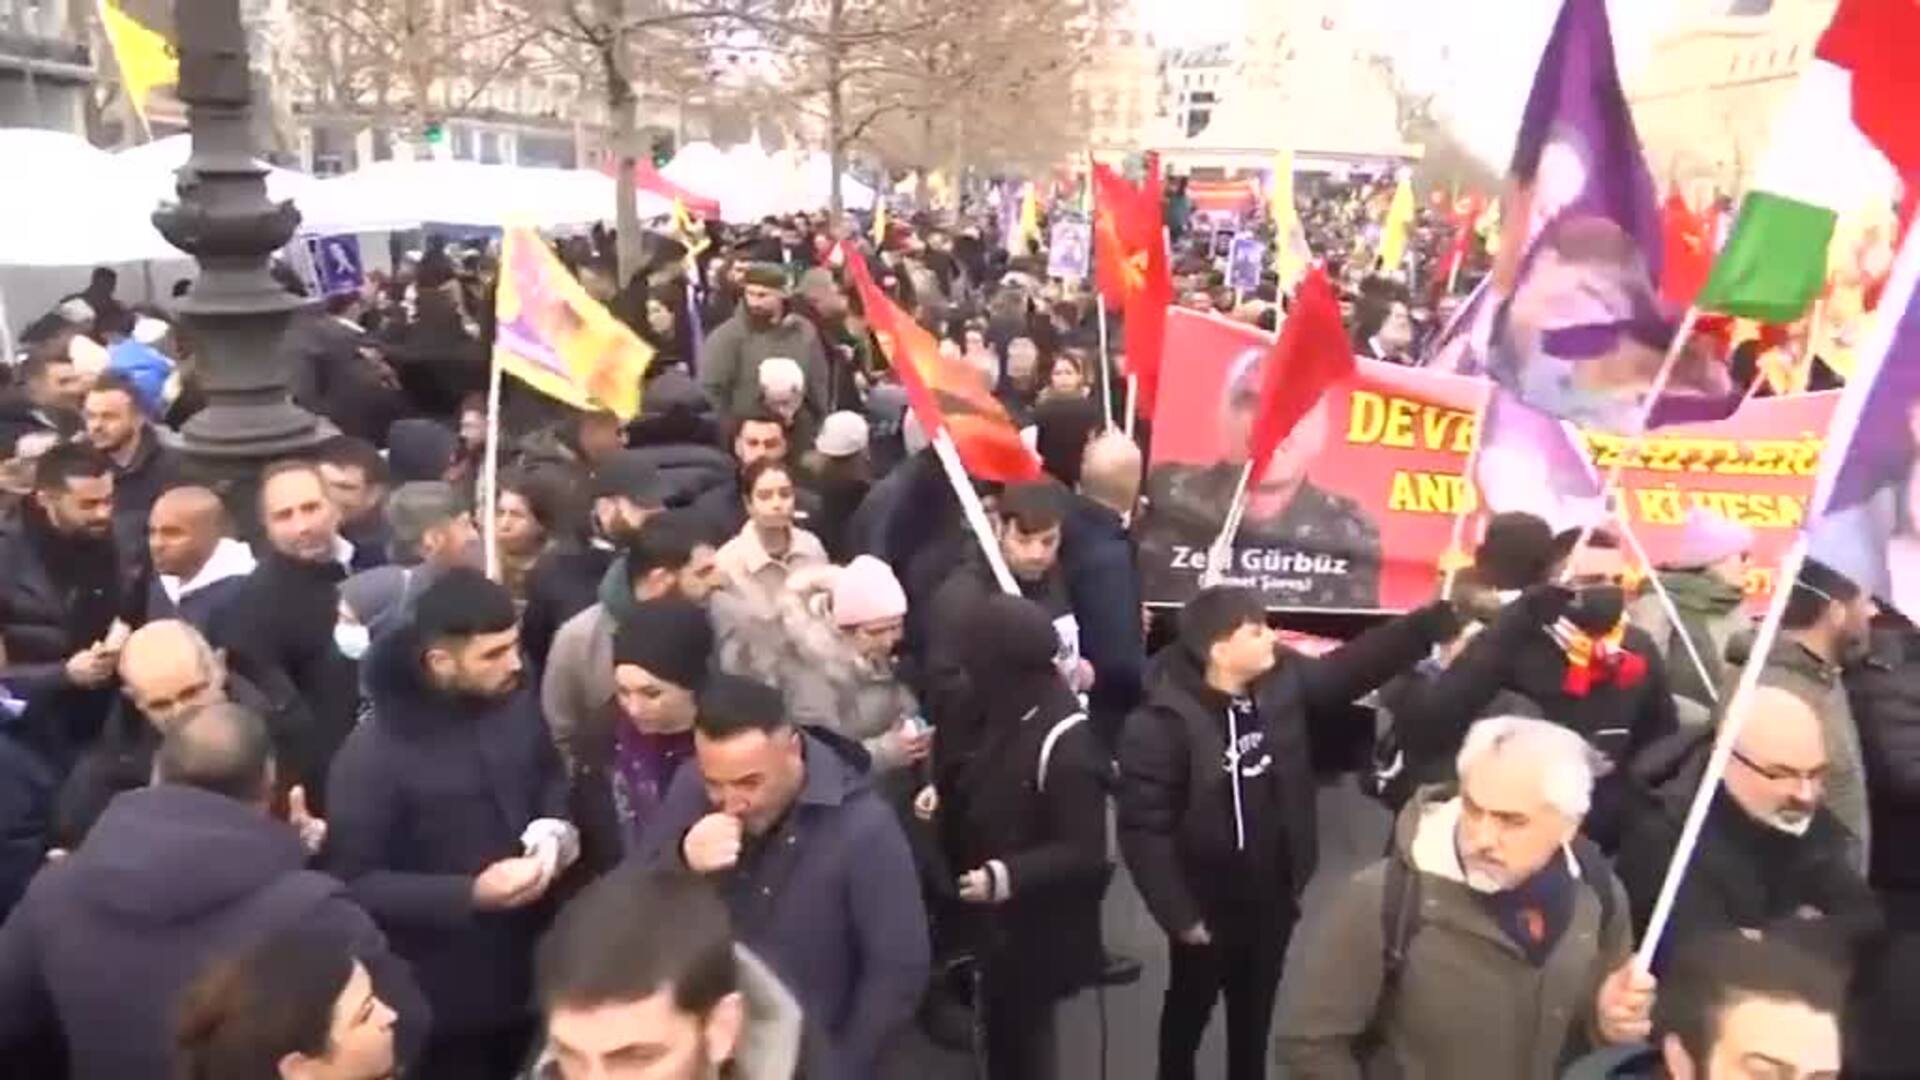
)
(825, 682)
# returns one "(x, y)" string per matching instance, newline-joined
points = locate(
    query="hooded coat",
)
(170, 878)
(1467, 1004)
(829, 900)
(1218, 824)
(430, 791)
(200, 598)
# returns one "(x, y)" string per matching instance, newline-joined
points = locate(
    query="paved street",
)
(1353, 832)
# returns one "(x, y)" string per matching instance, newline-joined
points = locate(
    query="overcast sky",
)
(1477, 56)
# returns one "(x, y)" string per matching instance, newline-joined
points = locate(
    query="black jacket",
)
(1179, 818)
(1049, 830)
(1744, 874)
(281, 627)
(18, 417)
(430, 791)
(1103, 585)
(170, 878)
(331, 378)
(1516, 655)
(1885, 694)
(564, 582)
(155, 468)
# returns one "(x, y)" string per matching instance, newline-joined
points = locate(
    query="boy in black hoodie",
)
(1216, 804)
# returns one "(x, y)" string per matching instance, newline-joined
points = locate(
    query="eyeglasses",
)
(1781, 774)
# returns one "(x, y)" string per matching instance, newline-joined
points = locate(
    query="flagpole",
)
(1469, 495)
(973, 510)
(490, 476)
(1654, 392)
(1897, 300)
(1106, 362)
(1133, 399)
(1667, 604)
(1220, 552)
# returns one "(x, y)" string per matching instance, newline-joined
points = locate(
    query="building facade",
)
(46, 65)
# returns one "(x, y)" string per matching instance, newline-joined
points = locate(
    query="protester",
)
(1489, 898)
(1103, 584)
(294, 1006)
(756, 563)
(172, 876)
(1770, 851)
(1022, 383)
(1029, 836)
(337, 370)
(1566, 651)
(449, 819)
(668, 557)
(783, 394)
(142, 466)
(1884, 697)
(282, 621)
(812, 864)
(1705, 578)
(48, 399)
(625, 757)
(1220, 861)
(849, 352)
(829, 650)
(758, 436)
(1826, 629)
(643, 969)
(1065, 379)
(198, 568)
(167, 673)
(357, 481)
(840, 471)
(627, 492)
(763, 327)
(528, 513)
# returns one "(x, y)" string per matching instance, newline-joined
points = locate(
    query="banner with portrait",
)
(1357, 508)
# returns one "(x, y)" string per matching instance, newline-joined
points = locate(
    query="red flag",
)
(944, 392)
(1877, 41)
(1311, 354)
(1466, 214)
(1130, 266)
(1687, 238)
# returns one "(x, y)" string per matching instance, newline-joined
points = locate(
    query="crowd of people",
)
(742, 761)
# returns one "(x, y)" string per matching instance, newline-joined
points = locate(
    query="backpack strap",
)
(1399, 919)
(1064, 725)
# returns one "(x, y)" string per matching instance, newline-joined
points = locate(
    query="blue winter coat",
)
(829, 901)
(426, 794)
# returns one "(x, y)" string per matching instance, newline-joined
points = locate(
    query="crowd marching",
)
(760, 682)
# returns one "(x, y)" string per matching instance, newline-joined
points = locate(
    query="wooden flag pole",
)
(1667, 604)
(490, 477)
(1654, 392)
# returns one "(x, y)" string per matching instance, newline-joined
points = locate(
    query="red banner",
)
(1358, 505)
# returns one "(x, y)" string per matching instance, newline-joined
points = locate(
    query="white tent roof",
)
(751, 183)
(404, 194)
(155, 164)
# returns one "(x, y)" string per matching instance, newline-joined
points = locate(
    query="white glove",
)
(555, 842)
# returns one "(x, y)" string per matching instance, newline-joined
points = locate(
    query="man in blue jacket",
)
(172, 876)
(449, 824)
(812, 864)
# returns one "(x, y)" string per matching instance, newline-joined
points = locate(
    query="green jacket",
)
(1469, 1006)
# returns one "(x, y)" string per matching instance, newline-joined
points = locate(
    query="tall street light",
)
(236, 311)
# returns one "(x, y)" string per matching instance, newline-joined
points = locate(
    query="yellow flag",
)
(1291, 255)
(1030, 216)
(555, 338)
(1393, 231)
(146, 58)
(879, 222)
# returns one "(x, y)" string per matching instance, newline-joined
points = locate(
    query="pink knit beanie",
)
(866, 591)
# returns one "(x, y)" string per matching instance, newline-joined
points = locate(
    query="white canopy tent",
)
(751, 183)
(154, 164)
(407, 194)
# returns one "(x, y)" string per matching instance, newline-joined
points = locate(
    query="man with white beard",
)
(1492, 943)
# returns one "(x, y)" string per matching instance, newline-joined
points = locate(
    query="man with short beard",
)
(763, 327)
(1771, 854)
(450, 819)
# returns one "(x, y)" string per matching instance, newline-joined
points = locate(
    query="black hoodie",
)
(1233, 847)
(169, 878)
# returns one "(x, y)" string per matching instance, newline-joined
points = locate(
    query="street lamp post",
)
(236, 311)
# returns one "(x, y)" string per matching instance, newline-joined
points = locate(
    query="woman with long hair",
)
(297, 1006)
(757, 561)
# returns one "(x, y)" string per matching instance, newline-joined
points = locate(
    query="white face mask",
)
(1792, 826)
(351, 639)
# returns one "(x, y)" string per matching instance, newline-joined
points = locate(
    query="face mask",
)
(351, 639)
(1792, 826)
(1598, 608)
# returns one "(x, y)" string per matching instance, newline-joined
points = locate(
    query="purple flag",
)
(1865, 519)
(1537, 464)
(1579, 330)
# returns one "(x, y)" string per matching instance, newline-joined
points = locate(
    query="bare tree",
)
(424, 59)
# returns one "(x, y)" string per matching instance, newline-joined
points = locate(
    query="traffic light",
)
(436, 133)
(662, 150)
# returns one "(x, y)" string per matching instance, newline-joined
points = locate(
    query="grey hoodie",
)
(769, 1047)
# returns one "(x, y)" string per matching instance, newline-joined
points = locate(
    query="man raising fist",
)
(812, 864)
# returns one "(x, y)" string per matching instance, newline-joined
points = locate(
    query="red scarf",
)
(1597, 661)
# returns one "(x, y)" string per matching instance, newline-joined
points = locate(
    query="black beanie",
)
(670, 637)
